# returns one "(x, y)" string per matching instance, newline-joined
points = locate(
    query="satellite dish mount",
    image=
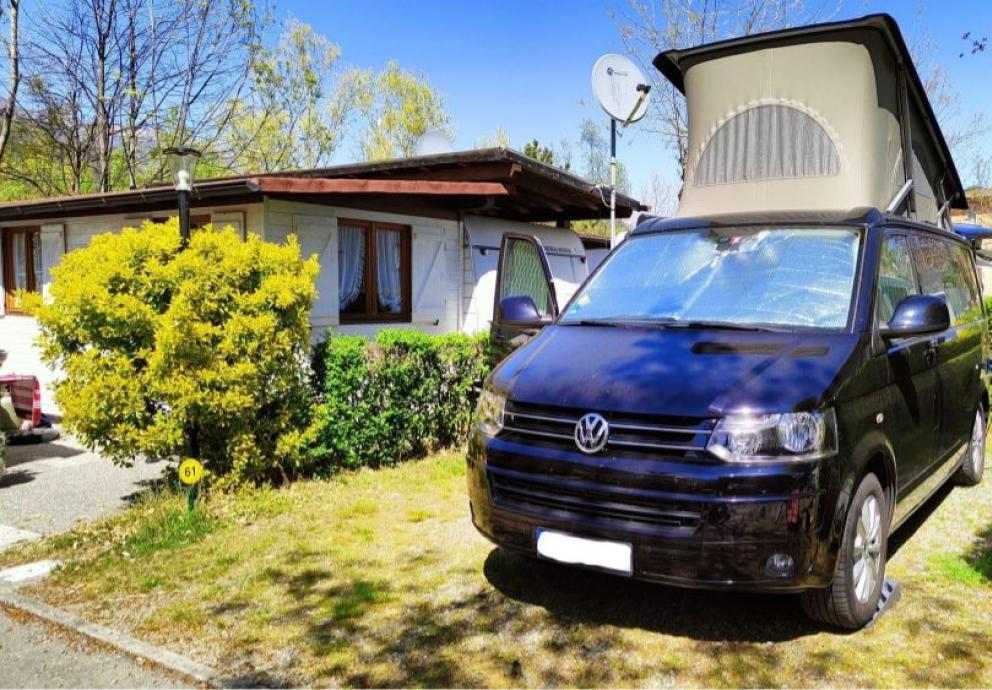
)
(623, 92)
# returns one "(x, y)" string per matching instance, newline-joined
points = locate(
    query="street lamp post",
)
(183, 161)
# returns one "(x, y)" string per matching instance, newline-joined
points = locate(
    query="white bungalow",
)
(405, 243)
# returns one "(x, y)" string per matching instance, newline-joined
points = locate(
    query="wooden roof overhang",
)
(494, 182)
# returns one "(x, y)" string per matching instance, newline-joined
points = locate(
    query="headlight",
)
(489, 413)
(775, 437)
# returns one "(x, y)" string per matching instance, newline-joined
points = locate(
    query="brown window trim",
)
(7, 235)
(370, 315)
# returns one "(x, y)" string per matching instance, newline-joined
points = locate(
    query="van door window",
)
(896, 280)
(963, 295)
(524, 274)
(943, 274)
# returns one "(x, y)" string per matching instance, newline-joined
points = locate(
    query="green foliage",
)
(168, 527)
(160, 345)
(988, 311)
(398, 107)
(395, 398)
(296, 114)
(542, 154)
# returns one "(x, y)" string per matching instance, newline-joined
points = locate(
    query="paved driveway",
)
(49, 487)
(33, 656)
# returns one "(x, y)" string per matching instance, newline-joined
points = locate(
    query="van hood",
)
(675, 371)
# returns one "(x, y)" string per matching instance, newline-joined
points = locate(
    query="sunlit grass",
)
(378, 579)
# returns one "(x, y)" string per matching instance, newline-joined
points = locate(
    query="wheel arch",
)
(873, 453)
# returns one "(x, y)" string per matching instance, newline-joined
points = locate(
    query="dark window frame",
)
(7, 247)
(371, 313)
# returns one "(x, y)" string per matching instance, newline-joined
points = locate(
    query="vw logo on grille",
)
(591, 433)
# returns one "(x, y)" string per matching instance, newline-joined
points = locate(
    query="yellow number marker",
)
(190, 471)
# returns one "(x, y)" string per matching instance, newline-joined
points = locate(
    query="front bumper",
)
(690, 523)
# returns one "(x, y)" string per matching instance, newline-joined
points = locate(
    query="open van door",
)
(525, 299)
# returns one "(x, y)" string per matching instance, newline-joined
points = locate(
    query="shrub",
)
(398, 397)
(988, 311)
(160, 345)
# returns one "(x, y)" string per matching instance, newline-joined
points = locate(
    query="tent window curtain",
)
(351, 264)
(374, 281)
(767, 142)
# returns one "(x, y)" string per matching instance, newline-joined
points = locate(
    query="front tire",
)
(970, 473)
(852, 598)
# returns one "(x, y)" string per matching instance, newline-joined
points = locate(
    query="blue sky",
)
(524, 66)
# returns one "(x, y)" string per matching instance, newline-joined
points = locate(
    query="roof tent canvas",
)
(814, 118)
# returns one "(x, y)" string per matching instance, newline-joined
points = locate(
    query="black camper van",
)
(755, 393)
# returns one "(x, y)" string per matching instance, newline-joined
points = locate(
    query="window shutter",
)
(235, 219)
(52, 248)
(319, 235)
(429, 285)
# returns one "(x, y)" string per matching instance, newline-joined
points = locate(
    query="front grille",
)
(606, 506)
(629, 434)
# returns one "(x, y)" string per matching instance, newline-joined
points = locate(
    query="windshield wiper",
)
(609, 323)
(721, 325)
(670, 322)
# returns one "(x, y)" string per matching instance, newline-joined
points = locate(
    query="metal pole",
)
(613, 183)
(183, 218)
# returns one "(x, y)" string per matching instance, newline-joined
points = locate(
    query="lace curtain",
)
(351, 264)
(389, 289)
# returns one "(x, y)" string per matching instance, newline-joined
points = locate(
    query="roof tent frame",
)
(948, 189)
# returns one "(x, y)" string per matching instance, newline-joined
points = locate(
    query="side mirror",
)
(519, 310)
(918, 315)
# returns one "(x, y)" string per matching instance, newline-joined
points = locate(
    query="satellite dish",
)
(620, 88)
(432, 143)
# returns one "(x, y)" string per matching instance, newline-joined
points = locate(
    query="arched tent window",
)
(767, 142)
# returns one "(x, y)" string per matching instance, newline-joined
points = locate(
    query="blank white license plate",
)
(565, 548)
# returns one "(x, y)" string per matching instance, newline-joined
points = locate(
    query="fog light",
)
(779, 565)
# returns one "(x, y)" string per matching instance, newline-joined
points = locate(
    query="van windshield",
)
(788, 277)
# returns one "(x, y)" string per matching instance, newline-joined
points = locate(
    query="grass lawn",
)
(378, 578)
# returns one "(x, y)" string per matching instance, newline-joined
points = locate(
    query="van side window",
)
(965, 297)
(944, 271)
(896, 281)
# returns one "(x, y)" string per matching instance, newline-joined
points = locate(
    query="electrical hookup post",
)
(190, 474)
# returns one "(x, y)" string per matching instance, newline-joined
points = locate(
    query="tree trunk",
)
(14, 79)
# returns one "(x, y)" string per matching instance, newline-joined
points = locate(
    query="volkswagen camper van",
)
(755, 393)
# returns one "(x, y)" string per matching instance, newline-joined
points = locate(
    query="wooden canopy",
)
(490, 182)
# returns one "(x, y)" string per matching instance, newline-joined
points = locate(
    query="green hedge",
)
(400, 396)
(988, 311)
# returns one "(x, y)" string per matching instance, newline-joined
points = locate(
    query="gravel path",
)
(32, 656)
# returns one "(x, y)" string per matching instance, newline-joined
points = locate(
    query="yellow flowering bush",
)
(165, 350)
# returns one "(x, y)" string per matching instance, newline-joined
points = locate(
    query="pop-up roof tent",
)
(812, 118)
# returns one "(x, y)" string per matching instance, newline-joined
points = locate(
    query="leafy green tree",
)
(542, 154)
(165, 349)
(295, 115)
(397, 107)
